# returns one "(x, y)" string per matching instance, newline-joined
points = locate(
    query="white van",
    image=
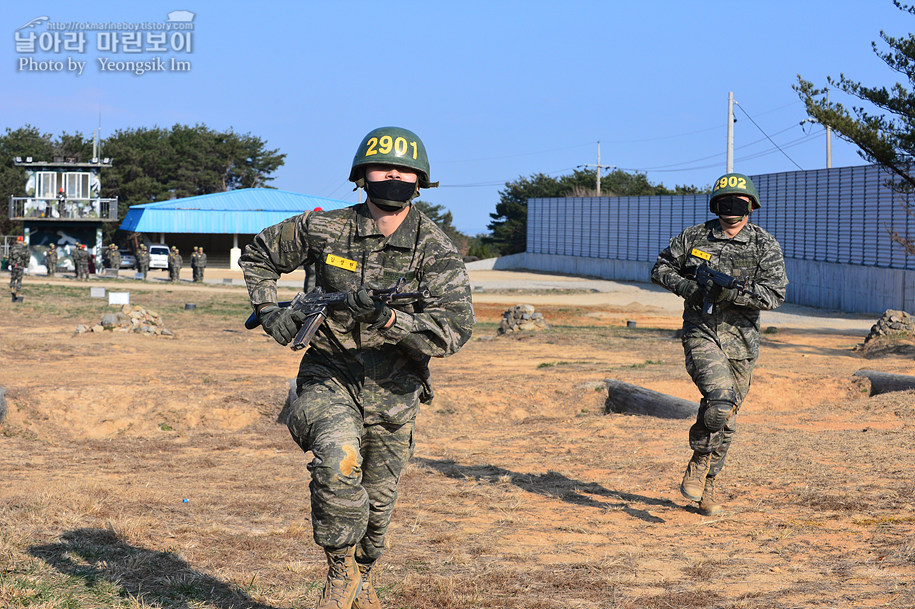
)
(158, 256)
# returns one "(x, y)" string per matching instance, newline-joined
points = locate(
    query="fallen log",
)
(624, 398)
(885, 382)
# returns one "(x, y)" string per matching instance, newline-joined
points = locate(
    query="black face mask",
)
(390, 195)
(731, 206)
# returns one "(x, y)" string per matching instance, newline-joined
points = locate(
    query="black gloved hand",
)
(366, 310)
(282, 324)
(726, 295)
(691, 292)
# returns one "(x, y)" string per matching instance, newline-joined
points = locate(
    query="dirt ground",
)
(150, 472)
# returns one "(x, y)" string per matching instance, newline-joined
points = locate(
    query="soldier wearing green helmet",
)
(365, 373)
(721, 324)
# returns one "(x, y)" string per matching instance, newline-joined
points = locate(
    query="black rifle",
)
(314, 305)
(712, 282)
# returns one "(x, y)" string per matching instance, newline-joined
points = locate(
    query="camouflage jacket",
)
(752, 255)
(142, 259)
(175, 261)
(386, 371)
(79, 256)
(201, 260)
(113, 257)
(19, 255)
(194, 260)
(50, 257)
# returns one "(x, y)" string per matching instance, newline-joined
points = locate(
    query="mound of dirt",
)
(893, 334)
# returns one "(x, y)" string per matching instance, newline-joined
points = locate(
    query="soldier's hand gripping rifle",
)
(315, 303)
(712, 282)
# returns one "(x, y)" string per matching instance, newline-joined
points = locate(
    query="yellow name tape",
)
(700, 254)
(342, 263)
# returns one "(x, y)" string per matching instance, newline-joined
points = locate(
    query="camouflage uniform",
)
(201, 264)
(721, 348)
(143, 261)
(360, 389)
(194, 264)
(18, 261)
(174, 264)
(50, 260)
(198, 263)
(113, 258)
(81, 262)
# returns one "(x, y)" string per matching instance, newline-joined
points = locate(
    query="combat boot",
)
(367, 598)
(694, 477)
(709, 505)
(344, 581)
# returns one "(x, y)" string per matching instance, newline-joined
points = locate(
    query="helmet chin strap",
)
(731, 222)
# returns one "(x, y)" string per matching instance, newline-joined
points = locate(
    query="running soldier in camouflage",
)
(361, 382)
(721, 346)
(17, 262)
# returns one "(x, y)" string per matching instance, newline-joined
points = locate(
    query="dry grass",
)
(522, 493)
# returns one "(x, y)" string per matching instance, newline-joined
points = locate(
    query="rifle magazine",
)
(307, 331)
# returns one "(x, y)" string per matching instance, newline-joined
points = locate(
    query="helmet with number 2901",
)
(392, 146)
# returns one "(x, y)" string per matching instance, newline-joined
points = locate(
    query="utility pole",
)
(730, 162)
(828, 139)
(598, 166)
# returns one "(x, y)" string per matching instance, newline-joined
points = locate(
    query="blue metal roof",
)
(245, 211)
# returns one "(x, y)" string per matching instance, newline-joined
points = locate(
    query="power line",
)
(767, 135)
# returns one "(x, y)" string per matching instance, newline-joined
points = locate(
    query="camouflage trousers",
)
(16, 279)
(143, 270)
(714, 373)
(355, 469)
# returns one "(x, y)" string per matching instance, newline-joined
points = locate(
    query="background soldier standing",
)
(721, 347)
(362, 379)
(143, 260)
(194, 264)
(113, 258)
(18, 261)
(81, 261)
(174, 264)
(201, 264)
(50, 260)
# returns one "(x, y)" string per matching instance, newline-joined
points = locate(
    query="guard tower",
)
(62, 206)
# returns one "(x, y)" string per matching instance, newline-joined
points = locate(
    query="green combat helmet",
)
(734, 184)
(392, 146)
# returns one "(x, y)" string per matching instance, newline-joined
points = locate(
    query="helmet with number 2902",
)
(392, 146)
(734, 184)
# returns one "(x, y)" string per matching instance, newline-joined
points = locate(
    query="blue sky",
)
(496, 90)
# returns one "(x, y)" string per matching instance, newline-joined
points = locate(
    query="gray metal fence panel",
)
(840, 215)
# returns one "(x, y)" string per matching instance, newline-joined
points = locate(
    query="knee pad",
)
(721, 405)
